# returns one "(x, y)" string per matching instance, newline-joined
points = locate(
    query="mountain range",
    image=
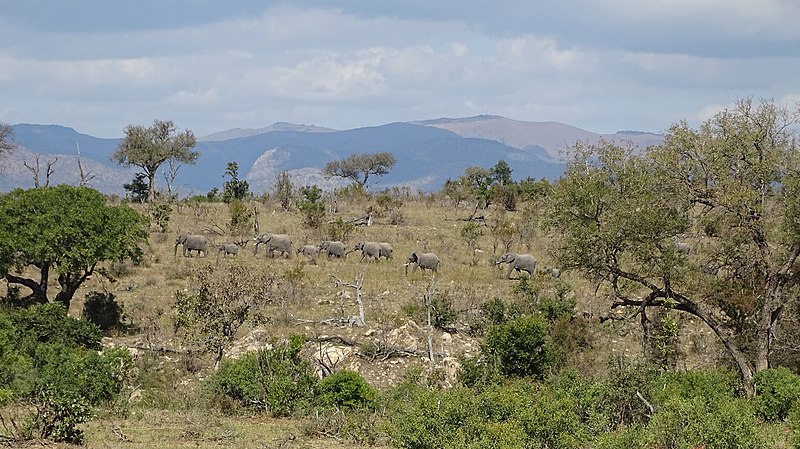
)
(428, 152)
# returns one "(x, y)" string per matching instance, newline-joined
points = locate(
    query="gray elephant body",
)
(334, 248)
(310, 251)
(192, 242)
(274, 242)
(369, 250)
(518, 262)
(386, 250)
(228, 248)
(425, 261)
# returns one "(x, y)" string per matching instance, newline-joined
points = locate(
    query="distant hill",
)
(551, 137)
(427, 152)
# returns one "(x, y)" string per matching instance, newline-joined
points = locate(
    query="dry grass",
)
(147, 294)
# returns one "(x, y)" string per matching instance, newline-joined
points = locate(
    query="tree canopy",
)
(149, 148)
(65, 229)
(359, 167)
(706, 224)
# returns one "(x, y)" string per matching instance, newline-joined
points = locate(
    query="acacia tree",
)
(730, 190)
(67, 231)
(359, 167)
(148, 148)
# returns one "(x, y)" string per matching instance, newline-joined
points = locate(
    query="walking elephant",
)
(334, 248)
(518, 262)
(192, 242)
(228, 249)
(369, 250)
(310, 251)
(425, 261)
(386, 250)
(274, 242)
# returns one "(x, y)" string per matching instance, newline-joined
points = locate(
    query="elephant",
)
(518, 262)
(386, 250)
(192, 242)
(310, 251)
(274, 242)
(425, 261)
(228, 248)
(368, 250)
(334, 248)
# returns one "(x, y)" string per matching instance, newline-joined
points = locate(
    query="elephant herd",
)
(282, 243)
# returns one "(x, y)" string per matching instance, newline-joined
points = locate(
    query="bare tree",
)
(6, 138)
(170, 173)
(36, 170)
(85, 175)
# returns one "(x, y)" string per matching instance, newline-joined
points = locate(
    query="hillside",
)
(427, 152)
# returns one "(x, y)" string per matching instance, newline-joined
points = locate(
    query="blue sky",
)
(602, 65)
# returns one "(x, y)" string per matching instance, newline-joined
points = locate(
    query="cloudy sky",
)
(602, 65)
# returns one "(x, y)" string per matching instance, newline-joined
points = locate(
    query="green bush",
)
(277, 380)
(49, 323)
(520, 347)
(50, 361)
(103, 310)
(777, 389)
(720, 424)
(58, 415)
(794, 424)
(346, 389)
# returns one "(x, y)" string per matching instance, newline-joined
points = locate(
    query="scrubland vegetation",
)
(672, 323)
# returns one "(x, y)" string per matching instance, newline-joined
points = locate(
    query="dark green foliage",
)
(58, 414)
(50, 361)
(284, 189)
(138, 188)
(777, 390)
(277, 380)
(103, 310)
(520, 347)
(311, 206)
(241, 217)
(234, 188)
(159, 216)
(64, 232)
(346, 389)
(50, 324)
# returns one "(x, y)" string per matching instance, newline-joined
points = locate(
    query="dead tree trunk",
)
(359, 320)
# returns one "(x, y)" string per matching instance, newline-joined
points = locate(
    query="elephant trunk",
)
(406, 269)
(175, 253)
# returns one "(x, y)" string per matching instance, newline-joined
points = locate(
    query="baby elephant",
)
(518, 262)
(310, 251)
(425, 261)
(228, 248)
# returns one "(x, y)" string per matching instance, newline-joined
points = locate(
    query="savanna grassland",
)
(166, 404)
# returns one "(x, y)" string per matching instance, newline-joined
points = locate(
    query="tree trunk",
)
(38, 289)
(768, 316)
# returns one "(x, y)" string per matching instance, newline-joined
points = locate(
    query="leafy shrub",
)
(103, 310)
(794, 423)
(346, 389)
(58, 415)
(49, 323)
(777, 389)
(277, 380)
(681, 423)
(50, 361)
(520, 347)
